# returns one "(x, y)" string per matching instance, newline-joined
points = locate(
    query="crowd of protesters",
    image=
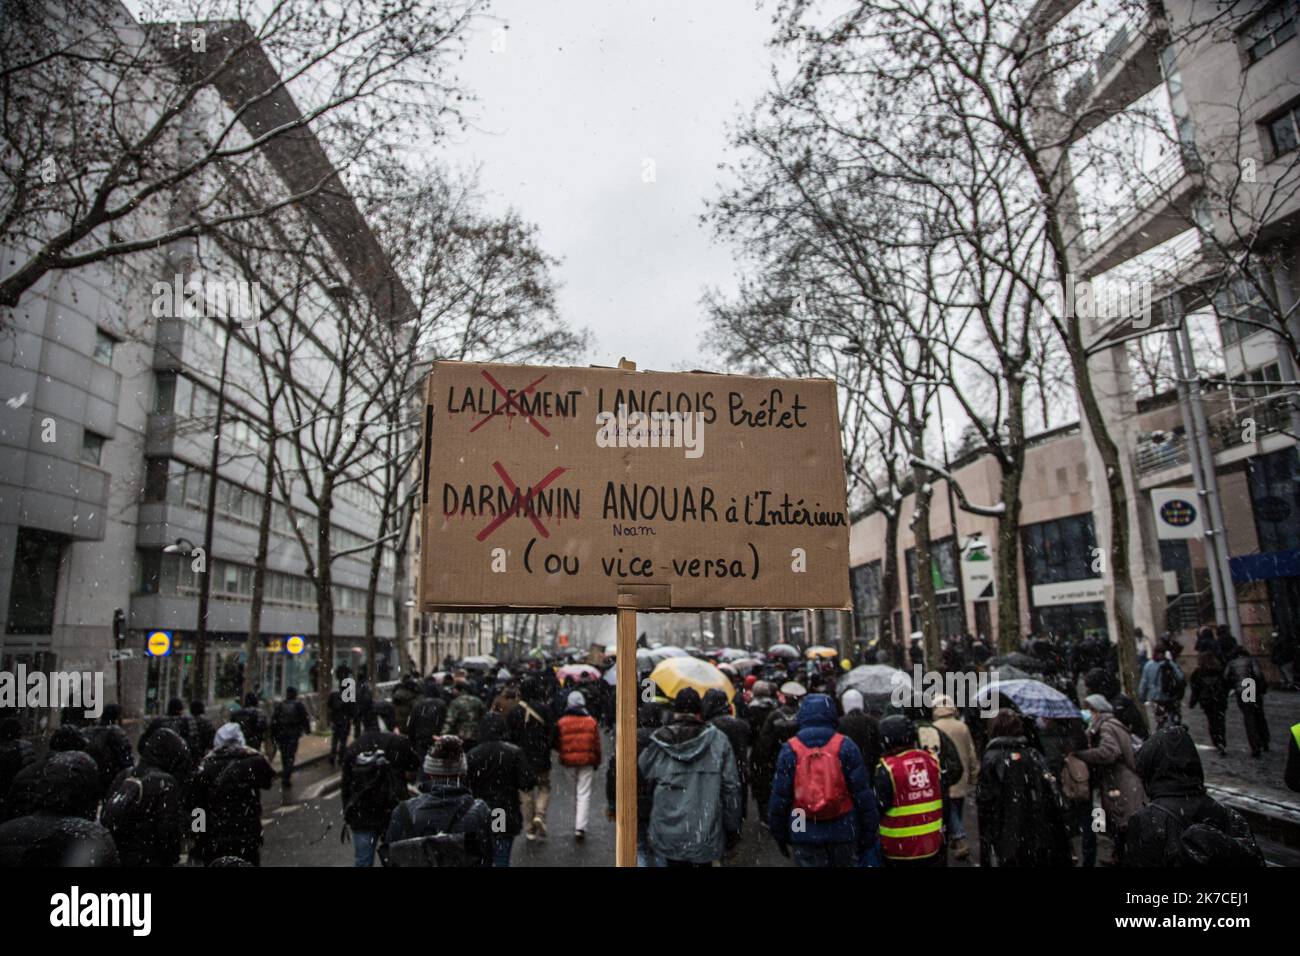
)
(832, 777)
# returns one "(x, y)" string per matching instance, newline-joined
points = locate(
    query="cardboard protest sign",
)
(598, 488)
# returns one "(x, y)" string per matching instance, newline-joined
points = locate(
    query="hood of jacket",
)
(684, 740)
(817, 710)
(1008, 743)
(1169, 764)
(68, 784)
(165, 750)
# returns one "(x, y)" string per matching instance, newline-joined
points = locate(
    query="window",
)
(1269, 31)
(864, 581)
(104, 347)
(92, 447)
(149, 568)
(1284, 131)
(1275, 497)
(35, 582)
(164, 393)
(947, 599)
(1059, 551)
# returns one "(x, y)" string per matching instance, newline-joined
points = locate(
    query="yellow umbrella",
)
(674, 673)
(820, 650)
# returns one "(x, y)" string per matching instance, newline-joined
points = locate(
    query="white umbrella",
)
(875, 680)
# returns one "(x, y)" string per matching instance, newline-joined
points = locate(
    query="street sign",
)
(1177, 512)
(977, 571)
(158, 643)
(596, 488)
(121, 654)
(295, 644)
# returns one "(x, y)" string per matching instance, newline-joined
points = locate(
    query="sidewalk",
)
(314, 748)
(1253, 786)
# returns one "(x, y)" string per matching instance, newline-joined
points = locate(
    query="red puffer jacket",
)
(577, 740)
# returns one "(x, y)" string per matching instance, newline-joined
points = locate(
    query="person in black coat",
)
(15, 754)
(375, 770)
(25, 795)
(1182, 825)
(445, 822)
(110, 748)
(529, 726)
(204, 730)
(59, 828)
(1022, 819)
(1246, 684)
(425, 721)
(364, 704)
(145, 806)
(251, 721)
(498, 772)
(288, 724)
(226, 788)
(1210, 690)
(861, 728)
(176, 720)
(716, 710)
(779, 725)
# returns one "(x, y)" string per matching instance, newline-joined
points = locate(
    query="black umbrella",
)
(1015, 659)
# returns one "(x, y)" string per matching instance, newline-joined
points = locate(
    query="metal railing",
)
(1156, 182)
(1119, 41)
(1187, 611)
(1228, 429)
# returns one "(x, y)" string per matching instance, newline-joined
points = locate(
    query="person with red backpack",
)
(910, 791)
(822, 805)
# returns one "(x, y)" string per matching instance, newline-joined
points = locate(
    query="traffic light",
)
(119, 625)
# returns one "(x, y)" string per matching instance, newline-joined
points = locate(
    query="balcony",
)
(1156, 212)
(1126, 70)
(1226, 431)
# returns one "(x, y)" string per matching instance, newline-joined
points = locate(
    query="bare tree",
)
(121, 135)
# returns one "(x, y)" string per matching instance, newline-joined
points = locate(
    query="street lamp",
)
(182, 546)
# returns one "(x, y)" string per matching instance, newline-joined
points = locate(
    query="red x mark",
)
(519, 500)
(510, 403)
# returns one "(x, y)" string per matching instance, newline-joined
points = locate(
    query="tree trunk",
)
(1008, 561)
(1012, 464)
(889, 590)
(924, 574)
(372, 588)
(259, 576)
(324, 592)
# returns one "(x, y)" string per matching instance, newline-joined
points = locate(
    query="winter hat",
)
(1098, 704)
(750, 681)
(576, 701)
(687, 701)
(852, 700)
(446, 758)
(715, 704)
(228, 734)
(764, 688)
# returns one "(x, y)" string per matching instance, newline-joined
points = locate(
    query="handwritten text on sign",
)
(568, 487)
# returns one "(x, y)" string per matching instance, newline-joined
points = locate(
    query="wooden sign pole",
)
(625, 728)
(625, 740)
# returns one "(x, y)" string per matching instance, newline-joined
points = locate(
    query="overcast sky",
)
(582, 94)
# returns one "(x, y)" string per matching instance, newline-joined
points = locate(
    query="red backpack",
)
(820, 789)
